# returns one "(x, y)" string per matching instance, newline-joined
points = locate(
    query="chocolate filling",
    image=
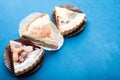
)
(75, 9)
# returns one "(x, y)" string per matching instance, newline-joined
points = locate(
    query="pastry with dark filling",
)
(69, 19)
(22, 57)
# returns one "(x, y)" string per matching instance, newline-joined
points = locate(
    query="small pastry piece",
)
(22, 57)
(69, 20)
(41, 31)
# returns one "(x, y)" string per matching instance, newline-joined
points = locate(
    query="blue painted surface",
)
(92, 55)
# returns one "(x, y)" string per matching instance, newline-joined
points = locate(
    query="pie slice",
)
(41, 31)
(23, 56)
(68, 19)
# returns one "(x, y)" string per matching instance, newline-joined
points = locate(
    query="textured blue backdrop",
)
(93, 54)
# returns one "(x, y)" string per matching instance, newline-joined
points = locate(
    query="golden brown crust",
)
(40, 16)
(44, 31)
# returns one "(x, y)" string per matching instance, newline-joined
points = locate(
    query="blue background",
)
(94, 54)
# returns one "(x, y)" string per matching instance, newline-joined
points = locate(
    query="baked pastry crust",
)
(74, 30)
(8, 55)
(38, 28)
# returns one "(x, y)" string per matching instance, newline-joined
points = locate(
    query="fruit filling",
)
(20, 51)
